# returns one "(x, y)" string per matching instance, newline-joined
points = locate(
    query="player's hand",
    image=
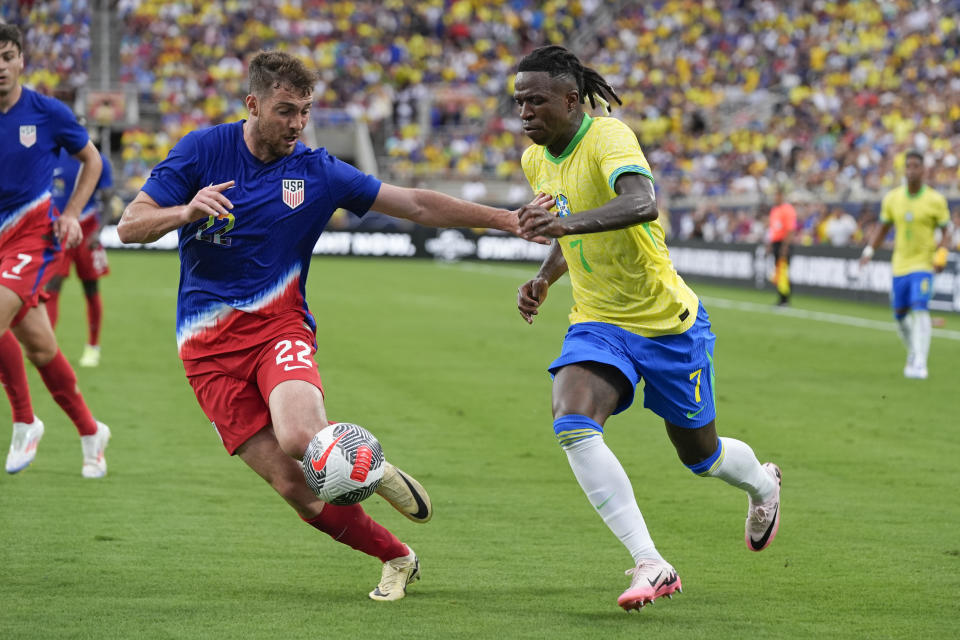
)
(68, 232)
(537, 222)
(940, 259)
(530, 296)
(209, 201)
(541, 200)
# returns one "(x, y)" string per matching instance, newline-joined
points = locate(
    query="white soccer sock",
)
(905, 330)
(740, 467)
(920, 338)
(602, 478)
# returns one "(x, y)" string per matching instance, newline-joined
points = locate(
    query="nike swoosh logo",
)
(693, 414)
(600, 506)
(11, 276)
(757, 544)
(653, 583)
(422, 511)
(318, 465)
(291, 367)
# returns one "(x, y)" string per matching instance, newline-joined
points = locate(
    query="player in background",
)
(89, 256)
(783, 224)
(33, 129)
(249, 201)
(633, 317)
(916, 211)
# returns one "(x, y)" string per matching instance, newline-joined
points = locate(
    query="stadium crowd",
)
(58, 41)
(727, 97)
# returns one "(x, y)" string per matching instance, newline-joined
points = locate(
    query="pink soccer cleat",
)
(652, 578)
(763, 520)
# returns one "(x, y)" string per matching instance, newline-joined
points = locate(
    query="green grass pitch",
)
(182, 541)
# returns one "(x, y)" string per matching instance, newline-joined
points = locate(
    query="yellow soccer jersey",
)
(915, 218)
(622, 277)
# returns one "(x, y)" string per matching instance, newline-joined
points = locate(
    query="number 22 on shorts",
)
(302, 359)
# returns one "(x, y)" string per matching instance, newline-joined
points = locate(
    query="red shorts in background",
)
(91, 262)
(233, 388)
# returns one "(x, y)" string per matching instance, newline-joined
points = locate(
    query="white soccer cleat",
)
(763, 520)
(94, 463)
(91, 356)
(405, 494)
(915, 372)
(23, 445)
(652, 579)
(397, 574)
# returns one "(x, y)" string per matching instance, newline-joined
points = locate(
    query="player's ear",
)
(253, 106)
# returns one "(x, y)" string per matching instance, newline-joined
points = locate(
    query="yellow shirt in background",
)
(915, 218)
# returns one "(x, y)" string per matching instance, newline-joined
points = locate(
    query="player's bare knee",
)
(294, 442)
(40, 355)
(703, 461)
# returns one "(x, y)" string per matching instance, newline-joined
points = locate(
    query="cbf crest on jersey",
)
(563, 206)
(293, 193)
(28, 135)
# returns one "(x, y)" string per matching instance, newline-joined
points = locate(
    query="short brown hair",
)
(10, 33)
(270, 70)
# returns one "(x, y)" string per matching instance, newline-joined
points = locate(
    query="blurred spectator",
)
(56, 44)
(840, 227)
(726, 97)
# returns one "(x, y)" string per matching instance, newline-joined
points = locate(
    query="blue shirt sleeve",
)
(350, 188)
(67, 132)
(176, 180)
(106, 176)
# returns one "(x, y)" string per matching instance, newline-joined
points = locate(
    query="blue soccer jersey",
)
(65, 178)
(32, 133)
(247, 270)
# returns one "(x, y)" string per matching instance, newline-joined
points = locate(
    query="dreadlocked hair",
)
(558, 61)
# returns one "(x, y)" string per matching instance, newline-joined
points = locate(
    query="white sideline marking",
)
(820, 316)
(724, 303)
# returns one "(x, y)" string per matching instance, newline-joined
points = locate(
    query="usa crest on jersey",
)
(28, 135)
(293, 193)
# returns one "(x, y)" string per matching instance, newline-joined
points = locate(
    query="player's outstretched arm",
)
(635, 203)
(435, 209)
(532, 293)
(145, 221)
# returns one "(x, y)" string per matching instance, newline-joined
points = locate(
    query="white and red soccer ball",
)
(343, 464)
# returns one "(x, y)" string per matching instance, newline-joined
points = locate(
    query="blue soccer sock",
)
(735, 463)
(605, 483)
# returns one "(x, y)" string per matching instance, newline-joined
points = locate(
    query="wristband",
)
(867, 252)
(940, 257)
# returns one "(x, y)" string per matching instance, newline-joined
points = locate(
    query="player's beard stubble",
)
(274, 137)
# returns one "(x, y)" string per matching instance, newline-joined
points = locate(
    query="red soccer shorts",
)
(29, 256)
(233, 388)
(91, 262)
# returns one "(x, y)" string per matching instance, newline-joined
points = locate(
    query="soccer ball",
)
(343, 464)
